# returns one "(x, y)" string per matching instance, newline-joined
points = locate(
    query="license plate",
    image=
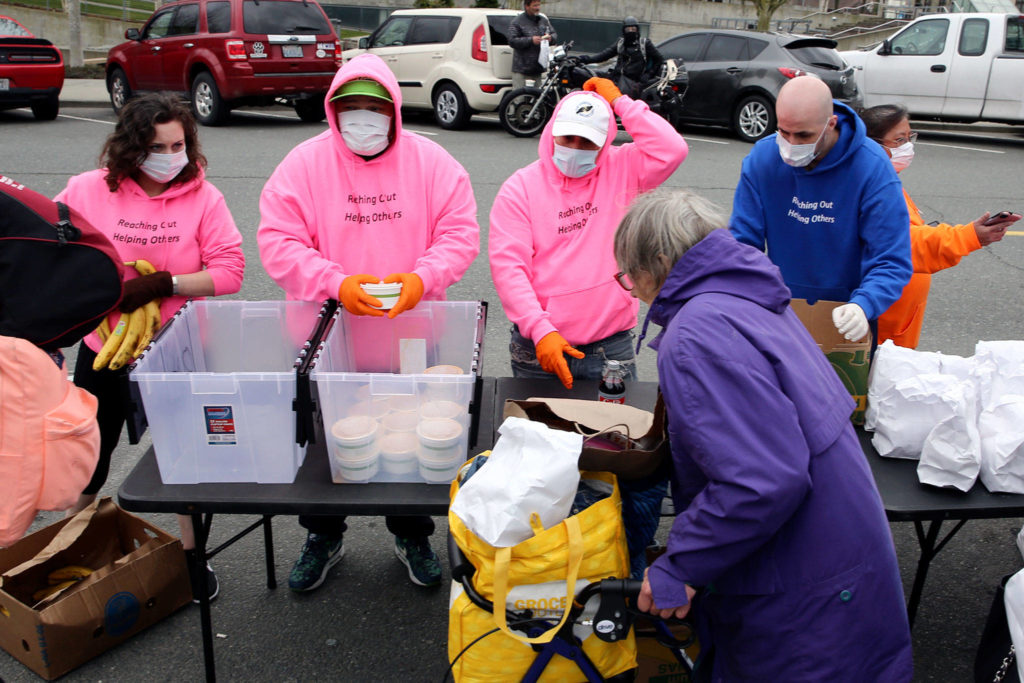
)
(291, 51)
(5, 84)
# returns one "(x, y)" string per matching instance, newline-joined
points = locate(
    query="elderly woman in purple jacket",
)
(780, 541)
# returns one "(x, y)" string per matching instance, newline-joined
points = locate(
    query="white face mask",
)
(163, 168)
(364, 132)
(798, 155)
(575, 163)
(902, 155)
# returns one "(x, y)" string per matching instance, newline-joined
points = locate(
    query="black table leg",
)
(929, 549)
(268, 548)
(201, 531)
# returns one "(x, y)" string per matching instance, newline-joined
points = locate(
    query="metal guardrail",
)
(127, 13)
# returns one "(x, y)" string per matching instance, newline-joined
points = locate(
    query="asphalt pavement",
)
(368, 623)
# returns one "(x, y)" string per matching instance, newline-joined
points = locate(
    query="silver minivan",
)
(454, 61)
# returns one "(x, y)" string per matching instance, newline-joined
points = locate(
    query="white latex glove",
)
(850, 320)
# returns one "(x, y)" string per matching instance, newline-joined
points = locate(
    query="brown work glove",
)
(141, 290)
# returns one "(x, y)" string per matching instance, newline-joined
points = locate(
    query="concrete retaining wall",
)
(97, 34)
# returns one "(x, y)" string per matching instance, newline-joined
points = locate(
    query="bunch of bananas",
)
(132, 333)
(59, 579)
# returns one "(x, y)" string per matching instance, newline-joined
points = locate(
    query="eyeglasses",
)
(624, 281)
(900, 141)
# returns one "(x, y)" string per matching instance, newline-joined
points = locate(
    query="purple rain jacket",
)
(778, 519)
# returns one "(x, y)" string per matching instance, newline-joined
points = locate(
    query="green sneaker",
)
(319, 554)
(420, 559)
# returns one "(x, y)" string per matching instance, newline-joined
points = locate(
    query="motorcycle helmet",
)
(631, 29)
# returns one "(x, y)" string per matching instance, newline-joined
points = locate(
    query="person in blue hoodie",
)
(828, 206)
(780, 542)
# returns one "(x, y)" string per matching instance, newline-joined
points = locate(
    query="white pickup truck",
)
(948, 67)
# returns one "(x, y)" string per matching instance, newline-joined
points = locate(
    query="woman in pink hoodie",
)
(152, 201)
(361, 201)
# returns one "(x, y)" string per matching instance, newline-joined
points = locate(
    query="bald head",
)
(803, 113)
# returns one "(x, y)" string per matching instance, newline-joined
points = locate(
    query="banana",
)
(136, 324)
(72, 572)
(103, 329)
(112, 344)
(44, 593)
(152, 313)
(143, 266)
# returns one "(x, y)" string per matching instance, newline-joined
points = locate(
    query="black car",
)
(735, 76)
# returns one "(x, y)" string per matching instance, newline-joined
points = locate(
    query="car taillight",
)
(488, 87)
(790, 72)
(235, 49)
(337, 54)
(480, 44)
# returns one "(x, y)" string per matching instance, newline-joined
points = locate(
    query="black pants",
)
(409, 526)
(107, 386)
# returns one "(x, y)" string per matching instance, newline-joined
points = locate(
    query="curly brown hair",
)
(127, 147)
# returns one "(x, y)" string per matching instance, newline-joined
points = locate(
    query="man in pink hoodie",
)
(551, 232)
(363, 200)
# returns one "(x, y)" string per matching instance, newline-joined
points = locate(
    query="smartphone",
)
(999, 217)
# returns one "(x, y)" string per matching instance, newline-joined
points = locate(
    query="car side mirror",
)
(132, 34)
(886, 48)
(364, 42)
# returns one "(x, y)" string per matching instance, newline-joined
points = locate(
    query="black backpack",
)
(59, 276)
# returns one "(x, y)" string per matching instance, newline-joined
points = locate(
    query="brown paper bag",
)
(617, 438)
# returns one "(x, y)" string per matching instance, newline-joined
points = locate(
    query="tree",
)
(487, 3)
(765, 10)
(434, 3)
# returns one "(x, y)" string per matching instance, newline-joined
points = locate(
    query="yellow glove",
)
(355, 300)
(603, 87)
(549, 352)
(412, 292)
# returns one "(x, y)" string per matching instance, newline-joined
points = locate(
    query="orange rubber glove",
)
(603, 87)
(355, 300)
(549, 352)
(412, 292)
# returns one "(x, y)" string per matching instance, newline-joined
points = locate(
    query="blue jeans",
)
(618, 347)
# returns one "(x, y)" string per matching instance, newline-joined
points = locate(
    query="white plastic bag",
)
(1013, 599)
(910, 410)
(891, 365)
(532, 469)
(1001, 428)
(545, 54)
(951, 455)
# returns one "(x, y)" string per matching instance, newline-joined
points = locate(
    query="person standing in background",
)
(525, 34)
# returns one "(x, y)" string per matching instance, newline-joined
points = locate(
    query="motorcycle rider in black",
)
(638, 60)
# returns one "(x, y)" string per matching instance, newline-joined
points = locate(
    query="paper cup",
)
(441, 451)
(355, 452)
(400, 423)
(375, 408)
(398, 453)
(403, 404)
(444, 370)
(432, 410)
(386, 293)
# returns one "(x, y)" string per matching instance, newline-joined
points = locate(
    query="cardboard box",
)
(850, 360)
(657, 663)
(139, 577)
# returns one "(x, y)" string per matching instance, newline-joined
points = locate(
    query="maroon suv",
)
(229, 53)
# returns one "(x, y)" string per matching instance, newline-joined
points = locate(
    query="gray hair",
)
(659, 227)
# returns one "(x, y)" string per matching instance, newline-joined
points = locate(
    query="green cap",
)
(362, 86)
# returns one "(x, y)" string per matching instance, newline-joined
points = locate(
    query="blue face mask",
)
(575, 163)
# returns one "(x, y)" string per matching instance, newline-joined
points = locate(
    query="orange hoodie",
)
(933, 248)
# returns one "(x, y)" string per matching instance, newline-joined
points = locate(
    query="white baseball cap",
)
(583, 114)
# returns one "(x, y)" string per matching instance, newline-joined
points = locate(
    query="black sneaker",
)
(319, 554)
(212, 586)
(420, 559)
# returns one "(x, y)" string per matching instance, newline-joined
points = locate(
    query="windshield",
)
(822, 57)
(9, 27)
(274, 16)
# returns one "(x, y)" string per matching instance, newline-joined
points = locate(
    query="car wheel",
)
(754, 118)
(310, 110)
(450, 109)
(209, 107)
(46, 110)
(120, 91)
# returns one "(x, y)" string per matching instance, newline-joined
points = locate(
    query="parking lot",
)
(367, 623)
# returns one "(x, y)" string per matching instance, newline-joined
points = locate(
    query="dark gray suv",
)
(735, 76)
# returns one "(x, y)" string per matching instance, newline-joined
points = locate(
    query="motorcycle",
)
(525, 111)
(664, 95)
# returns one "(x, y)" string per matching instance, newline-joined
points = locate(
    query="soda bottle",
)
(613, 385)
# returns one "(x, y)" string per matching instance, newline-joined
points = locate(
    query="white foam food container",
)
(218, 386)
(365, 360)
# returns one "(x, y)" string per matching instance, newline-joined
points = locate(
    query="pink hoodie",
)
(551, 236)
(327, 213)
(182, 230)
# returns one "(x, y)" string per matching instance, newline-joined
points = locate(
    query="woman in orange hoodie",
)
(933, 247)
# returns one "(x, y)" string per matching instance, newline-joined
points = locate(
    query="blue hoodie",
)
(837, 232)
(776, 508)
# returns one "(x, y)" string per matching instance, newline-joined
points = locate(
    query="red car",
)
(224, 54)
(31, 71)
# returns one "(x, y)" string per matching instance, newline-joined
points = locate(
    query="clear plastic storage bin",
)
(395, 394)
(218, 388)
